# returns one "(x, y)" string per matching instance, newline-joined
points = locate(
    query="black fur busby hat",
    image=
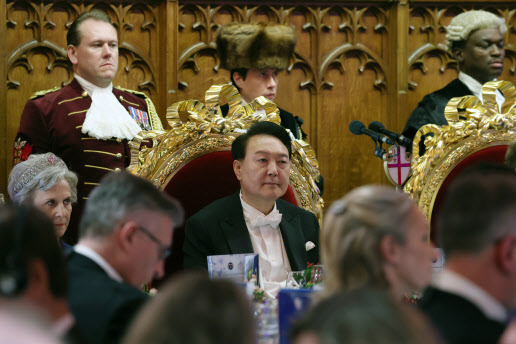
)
(255, 46)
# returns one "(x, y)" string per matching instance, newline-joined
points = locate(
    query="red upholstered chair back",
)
(198, 183)
(490, 154)
(476, 131)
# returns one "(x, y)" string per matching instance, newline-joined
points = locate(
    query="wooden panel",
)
(365, 60)
(430, 66)
(5, 157)
(36, 53)
(338, 74)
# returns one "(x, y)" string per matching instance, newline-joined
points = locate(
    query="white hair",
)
(39, 172)
(465, 23)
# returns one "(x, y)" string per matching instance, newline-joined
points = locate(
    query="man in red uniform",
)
(87, 123)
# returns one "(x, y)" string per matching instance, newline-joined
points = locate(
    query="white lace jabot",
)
(106, 117)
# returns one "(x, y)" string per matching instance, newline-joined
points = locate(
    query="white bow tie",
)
(273, 219)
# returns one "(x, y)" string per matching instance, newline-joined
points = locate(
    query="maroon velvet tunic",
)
(53, 122)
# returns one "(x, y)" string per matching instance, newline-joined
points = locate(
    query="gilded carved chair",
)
(192, 161)
(475, 132)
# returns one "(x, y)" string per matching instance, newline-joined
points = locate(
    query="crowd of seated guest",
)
(194, 309)
(364, 315)
(374, 241)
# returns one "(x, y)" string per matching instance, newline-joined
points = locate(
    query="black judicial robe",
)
(431, 109)
(288, 121)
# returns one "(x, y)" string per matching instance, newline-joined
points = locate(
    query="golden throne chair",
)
(475, 132)
(192, 161)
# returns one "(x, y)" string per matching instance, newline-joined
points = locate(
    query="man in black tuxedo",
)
(256, 219)
(468, 300)
(475, 38)
(125, 235)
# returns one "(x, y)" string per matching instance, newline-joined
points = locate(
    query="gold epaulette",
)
(153, 115)
(44, 92)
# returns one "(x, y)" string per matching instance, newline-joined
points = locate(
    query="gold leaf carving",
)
(472, 126)
(198, 128)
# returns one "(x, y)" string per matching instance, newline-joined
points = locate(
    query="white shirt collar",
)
(97, 258)
(63, 325)
(251, 212)
(454, 283)
(473, 85)
(90, 87)
(476, 87)
(106, 117)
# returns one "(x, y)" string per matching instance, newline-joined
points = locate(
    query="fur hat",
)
(465, 23)
(255, 46)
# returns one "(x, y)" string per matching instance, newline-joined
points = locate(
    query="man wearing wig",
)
(475, 38)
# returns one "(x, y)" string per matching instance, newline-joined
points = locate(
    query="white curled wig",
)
(465, 23)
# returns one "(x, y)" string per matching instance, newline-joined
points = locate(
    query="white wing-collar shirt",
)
(454, 283)
(97, 258)
(268, 243)
(476, 88)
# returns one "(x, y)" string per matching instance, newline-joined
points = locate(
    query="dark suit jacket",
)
(102, 307)
(220, 228)
(458, 320)
(431, 109)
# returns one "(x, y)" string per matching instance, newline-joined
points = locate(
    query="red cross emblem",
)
(397, 165)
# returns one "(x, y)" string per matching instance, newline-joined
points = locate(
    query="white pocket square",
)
(309, 245)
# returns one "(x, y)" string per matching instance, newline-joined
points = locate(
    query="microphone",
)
(358, 128)
(380, 128)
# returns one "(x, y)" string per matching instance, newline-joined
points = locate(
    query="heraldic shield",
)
(476, 131)
(192, 161)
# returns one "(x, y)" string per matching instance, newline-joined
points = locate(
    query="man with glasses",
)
(125, 235)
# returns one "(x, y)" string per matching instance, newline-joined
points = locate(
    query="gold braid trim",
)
(472, 126)
(44, 92)
(153, 114)
(198, 128)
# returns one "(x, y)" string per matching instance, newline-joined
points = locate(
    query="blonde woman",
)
(376, 236)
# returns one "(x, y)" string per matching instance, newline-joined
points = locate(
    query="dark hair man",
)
(125, 236)
(256, 219)
(33, 269)
(475, 38)
(469, 299)
(87, 123)
(255, 54)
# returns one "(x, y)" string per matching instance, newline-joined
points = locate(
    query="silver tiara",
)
(46, 161)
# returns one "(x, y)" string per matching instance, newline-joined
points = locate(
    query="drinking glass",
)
(267, 323)
(296, 279)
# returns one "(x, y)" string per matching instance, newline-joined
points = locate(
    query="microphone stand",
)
(378, 150)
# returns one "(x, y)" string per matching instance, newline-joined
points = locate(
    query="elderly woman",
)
(376, 236)
(44, 181)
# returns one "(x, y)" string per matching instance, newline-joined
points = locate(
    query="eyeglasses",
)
(163, 250)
